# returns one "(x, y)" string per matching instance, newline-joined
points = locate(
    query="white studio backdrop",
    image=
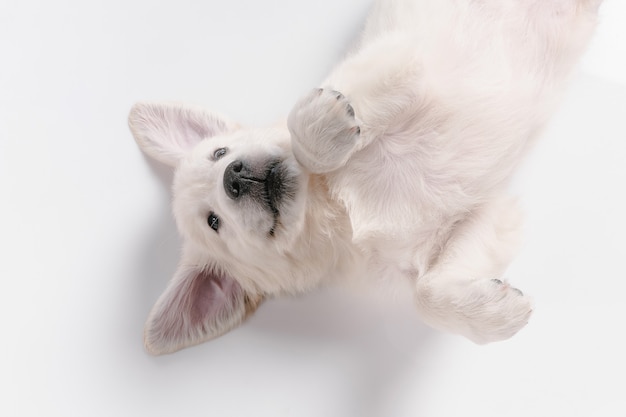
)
(87, 241)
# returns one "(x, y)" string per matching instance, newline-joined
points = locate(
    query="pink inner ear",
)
(194, 126)
(198, 304)
(167, 131)
(213, 295)
(201, 128)
(189, 131)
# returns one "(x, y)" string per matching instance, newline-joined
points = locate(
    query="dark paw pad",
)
(499, 282)
(337, 94)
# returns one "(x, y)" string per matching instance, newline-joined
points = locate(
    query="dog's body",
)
(400, 176)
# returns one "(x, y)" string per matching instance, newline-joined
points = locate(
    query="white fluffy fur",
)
(406, 184)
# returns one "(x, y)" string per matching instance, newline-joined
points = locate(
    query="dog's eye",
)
(219, 153)
(213, 221)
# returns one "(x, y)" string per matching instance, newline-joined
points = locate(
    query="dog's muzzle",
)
(261, 183)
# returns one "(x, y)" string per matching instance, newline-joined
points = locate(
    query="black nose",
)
(234, 185)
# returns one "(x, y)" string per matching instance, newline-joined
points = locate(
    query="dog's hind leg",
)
(464, 292)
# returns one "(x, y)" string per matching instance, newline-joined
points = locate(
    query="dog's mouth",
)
(276, 185)
(274, 180)
(269, 184)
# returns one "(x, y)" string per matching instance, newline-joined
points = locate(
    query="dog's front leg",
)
(464, 291)
(324, 131)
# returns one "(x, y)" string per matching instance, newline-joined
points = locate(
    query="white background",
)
(87, 242)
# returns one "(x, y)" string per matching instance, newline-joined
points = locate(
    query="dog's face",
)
(240, 195)
(239, 203)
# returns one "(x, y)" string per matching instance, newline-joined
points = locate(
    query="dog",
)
(396, 168)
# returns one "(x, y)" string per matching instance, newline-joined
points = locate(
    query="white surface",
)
(88, 244)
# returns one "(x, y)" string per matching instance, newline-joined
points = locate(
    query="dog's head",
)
(239, 203)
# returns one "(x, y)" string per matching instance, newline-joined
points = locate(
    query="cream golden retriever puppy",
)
(395, 168)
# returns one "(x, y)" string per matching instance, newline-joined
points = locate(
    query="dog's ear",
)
(199, 304)
(167, 131)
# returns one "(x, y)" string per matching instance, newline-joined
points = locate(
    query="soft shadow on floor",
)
(159, 256)
(383, 338)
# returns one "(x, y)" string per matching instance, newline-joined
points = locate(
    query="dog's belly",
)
(439, 137)
(447, 113)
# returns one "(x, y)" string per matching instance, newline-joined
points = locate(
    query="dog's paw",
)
(324, 130)
(492, 310)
